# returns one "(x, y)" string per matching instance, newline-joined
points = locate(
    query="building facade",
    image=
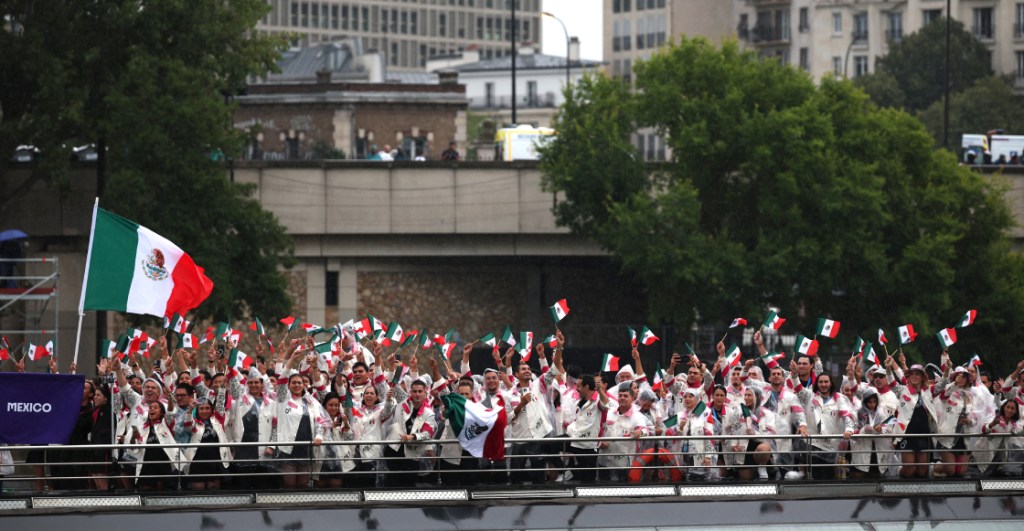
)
(408, 32)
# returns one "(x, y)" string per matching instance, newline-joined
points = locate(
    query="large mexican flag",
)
(480, 430)
(132, 269)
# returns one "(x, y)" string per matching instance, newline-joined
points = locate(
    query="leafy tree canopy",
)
(148, 84)
(780, 192)
(990, 103)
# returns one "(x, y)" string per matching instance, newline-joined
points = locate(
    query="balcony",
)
(893, 36)
(984, 32)
(759, 3)
(770, 34)
(860, 38)
(537, 101)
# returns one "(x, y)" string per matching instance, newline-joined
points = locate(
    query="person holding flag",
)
(298, 420)
(370, 415)
(790, 415)
(828, 413)
(529, 419)
(695, 421)
(958, 414)
(587, 423)
(413, 425)
(916, 414)
(870, 457)
(624, 421)
(753, 425)
(251, 418)
(208, 462)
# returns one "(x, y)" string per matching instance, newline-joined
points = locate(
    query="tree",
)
(781, 192)
(150, 84)
(883, 89)
(917, 63)
(989, 104)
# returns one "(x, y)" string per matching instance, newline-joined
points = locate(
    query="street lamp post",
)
(556, 19)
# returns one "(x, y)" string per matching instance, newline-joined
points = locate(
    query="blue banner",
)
(39, 408)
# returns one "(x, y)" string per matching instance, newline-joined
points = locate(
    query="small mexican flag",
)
(907, 334)
(209, 335)
(858, 346)
(312, 329)
(425, 340)
(967, 319)
(446, 349)
(609, 363)
(525, 345)
(869, 354)
(290, 322)
(258, 327)
(881, 337)
(480, 430)
(748, 413)
(701, 410)
(410, 337)
(394, 333)
(551, 341)
(362, 329)
(189, 341)
(806, 345)
(975, 361)
(659, 378)
(36, 352)
(234, 337)
(732, 358)
(559, 310)
(828, 327)
(690, 350)
(239, 360)
(108, 348)
(489, 341)
(672, 421)
(739, 321)
(947, 337)
(771, 359)
(178, 324)
(507, 337)
(375, 324)
(632, 336)
(647, 338)
(130, 268)
(773, 321)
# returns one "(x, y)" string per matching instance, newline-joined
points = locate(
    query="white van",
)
(1006, 146)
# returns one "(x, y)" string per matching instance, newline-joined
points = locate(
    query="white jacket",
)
(622, 425)
(289, 416)
(423, 428)
(829, 415)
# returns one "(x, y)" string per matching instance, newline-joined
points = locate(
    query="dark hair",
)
(420, 383)
(467, 380)
(465, 383)
(328, 397)
(588, 380)
(721, 388)
(574, 371)
(163, 408)
(134, 377)
(831, 383)
(1016, 416)
(360, 364)
(188, 387)
(205, 374)
(219, 374)
(261, 359)
(797, 359)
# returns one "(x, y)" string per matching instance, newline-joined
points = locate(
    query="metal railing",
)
(549, 462)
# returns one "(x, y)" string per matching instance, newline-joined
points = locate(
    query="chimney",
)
(448, 77)
(574, 49)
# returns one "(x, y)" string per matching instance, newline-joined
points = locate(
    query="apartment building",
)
(408, 32)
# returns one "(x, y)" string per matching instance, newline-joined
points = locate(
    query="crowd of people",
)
(296, 406)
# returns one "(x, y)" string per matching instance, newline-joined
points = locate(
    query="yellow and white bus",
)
(520, 142)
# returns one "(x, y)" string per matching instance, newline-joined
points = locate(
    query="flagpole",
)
(85, 281)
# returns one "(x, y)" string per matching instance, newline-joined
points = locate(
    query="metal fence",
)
(551, 461)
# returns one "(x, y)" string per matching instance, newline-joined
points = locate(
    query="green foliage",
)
(883, 88)
(783, 192)
(917, 63)
(149, 83)
(989, 104)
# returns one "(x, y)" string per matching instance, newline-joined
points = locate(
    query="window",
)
(1019, 74)
(782, 24)
(805, 23)
(295, 15)
(626, 5)
(1018, 20)
(641, 144)
(860, 27)
(627, 71)
(804, 59)
(531, 94)
(837, 23)
(928, 15)
(984, 26)
(334, 17)
(344, 17)
(442, 23)
(616, 6)
(489, 94)
(860, 65)
(895, 32)
(305, 15)
(331, 288)
(627, 36)
(837, 65)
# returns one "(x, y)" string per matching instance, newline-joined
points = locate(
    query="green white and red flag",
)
(559, 310)
(211, 333)
(732, 358)
(739, 321)
(771, 359)
(507, 337)
(975, 361)
(659, 378)
(551, 341)
(37, 352)
(290, 322)
(189, 341)
(610, 363)
(375, 324)
(632, 336)
(647, 338)
(234, 337)
(489, 341)
(257, 327)
(108, 348)
(425, 340)
(362, 329)
(870, 355)
(394, 333)
(828, 327)
(129, 268)
(178, 324)
(525, 345)
(907, 334)
(773, 321)
(858, 347)
(947, 337)
(881, 337)
(806, 345)
(446, 349)
(239, 360)
(410, 337)
(967, 319)
(480, 429)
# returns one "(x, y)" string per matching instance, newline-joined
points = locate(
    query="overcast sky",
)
(582, 19)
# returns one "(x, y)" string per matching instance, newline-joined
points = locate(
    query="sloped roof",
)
(533, 61)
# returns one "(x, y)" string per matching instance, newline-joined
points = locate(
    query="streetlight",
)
(556, 19)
